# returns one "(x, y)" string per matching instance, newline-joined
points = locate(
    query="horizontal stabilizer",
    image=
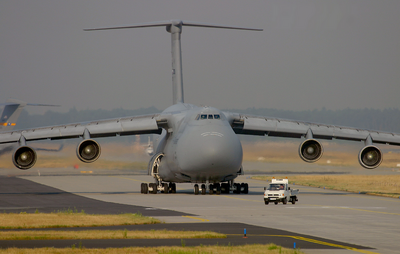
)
(173, 22)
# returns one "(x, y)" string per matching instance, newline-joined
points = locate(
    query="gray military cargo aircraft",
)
(196, 144)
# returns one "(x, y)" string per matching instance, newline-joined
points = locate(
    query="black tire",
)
(172, 187)
(225, 188)
(284, 201)
(293, 200)
(266, 202)
(165, 187)
(211, 189)
(276, 202)
(218, 187)
(154, 186)
(203, 189)
(196, 189)
(141, 188)
(145, 188)
(246, 189)
(237, 188)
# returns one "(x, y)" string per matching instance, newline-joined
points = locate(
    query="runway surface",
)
(323, 218)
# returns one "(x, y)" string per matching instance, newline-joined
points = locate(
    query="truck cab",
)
(279, 191)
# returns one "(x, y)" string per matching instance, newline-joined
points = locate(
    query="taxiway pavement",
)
(357, 222)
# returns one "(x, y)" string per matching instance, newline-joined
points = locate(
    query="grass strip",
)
(106, 234)
(380, 185)
(66, 219)
(253, 248)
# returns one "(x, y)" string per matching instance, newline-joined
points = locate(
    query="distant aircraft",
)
(196, 144)
(9, 116)
(149, 149)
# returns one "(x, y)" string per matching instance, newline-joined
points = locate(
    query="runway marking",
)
(317, 242)
(195, 218)
(325, 243)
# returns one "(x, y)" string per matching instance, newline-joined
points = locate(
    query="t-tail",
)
(175, 28)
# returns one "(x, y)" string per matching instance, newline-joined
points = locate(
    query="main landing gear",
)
(214, 188)
(154, 187)
(224, 188)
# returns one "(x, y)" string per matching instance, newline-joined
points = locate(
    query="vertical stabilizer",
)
(12, 110)
(10, 114)
(175, 28)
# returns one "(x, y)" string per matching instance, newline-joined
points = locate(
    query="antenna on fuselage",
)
(175, 28)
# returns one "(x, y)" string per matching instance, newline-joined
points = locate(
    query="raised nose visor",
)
(209, 155)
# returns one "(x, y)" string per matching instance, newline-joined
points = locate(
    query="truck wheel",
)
(276, 202)
(284, 201)
(266, 202)
(293, 200)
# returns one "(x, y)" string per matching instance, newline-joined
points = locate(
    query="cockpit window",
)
(209, 116)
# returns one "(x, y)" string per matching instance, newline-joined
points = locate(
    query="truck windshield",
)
(277, 187)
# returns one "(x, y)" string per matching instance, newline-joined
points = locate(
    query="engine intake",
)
(310, 150)
(24, 157)
(370, 157)
(88, 150)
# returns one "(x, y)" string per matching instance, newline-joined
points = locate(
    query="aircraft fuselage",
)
(198, 146)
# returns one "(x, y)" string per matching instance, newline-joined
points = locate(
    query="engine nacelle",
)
(310, 150)
(88, 150)
(370, 157)
(24, 157)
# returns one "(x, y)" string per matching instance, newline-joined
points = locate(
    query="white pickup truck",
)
(279, 191)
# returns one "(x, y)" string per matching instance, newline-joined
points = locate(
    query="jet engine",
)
(24, 157)
(88, 150)
(310, 150)
(370, 157)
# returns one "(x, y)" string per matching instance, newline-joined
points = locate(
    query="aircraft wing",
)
(275, 127)
(145, 124)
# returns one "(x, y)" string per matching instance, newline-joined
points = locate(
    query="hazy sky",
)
(312, 54)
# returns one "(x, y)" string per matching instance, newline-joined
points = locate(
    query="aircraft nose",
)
(209, 154)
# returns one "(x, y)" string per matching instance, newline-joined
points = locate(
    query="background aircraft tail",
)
(12, 110)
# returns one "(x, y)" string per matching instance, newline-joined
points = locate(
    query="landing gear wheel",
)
(172, 188)
(144, 188)
(203, 189)
(211, 189)
(153, 186)
(165, 188)
(237, 191)
(218, 187)
(196, 189)
(225, 188)
(246, 188)
(284, 201)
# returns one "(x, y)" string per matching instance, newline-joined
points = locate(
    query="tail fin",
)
(175, 28)
(12, 110)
